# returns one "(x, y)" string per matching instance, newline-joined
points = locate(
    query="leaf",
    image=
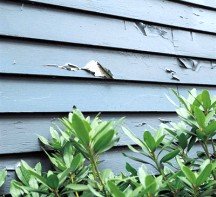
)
(151, 184)
(81, 128)
(206, 99)
(191, 142)
(182, 139)
(39, 178)
(116, 192)
(149, 140)
(200, 117)
(3, 174)
(77, 187)
(77, 161)
(204, 175)
(104, 140)
(169, 156)
(159, 140)
(181, 99)
(53, 181)
(136, 159)
(43, 140)
(189, 174)
(133, 137)
(210, 128)
(130, 169)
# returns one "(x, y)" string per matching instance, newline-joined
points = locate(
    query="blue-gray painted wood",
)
(204, 3)
(20, 133)
(102, 31)
(26, 57)
(173, 13)
(20, 94)
(98, 27)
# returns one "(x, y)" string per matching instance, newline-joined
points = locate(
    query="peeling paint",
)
(141, 27)
(175, 77)
(164, 121)
(173, 74)
(168, 70)
(140, 124)
(97, 70)
(189, 63)
(93, 67)
(150, 30)
(67, 66)
(213, 65)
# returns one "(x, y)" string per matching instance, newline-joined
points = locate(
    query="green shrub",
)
(75, 156)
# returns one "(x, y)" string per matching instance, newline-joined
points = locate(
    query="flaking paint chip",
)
(97, 70)
(188, 63)
(93, 67)
(66, 66)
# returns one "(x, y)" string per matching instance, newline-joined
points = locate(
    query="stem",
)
(72, 180)
(195, 191)
(95, 170)
(56, 193)
(205, 147)
(160, 170)
(213, 147)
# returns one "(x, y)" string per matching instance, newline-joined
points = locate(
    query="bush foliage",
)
(171, 163)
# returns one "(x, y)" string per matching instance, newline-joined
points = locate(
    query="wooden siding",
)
(138, 41)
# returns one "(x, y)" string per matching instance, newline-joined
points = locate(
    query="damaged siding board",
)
(86, 29)
(27, 57)
(29, 94)
(25, 128)
(174, 13)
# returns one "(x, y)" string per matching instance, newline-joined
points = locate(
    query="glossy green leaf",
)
(3, 174)
(149, 140)
(81, 128)
(204, 175)
(151, 184)
(169, 156)
(133, 137)
(200, 117)
(77, 187)
(53, 181)
(206, 99)
(103, 141)
(182, 139)
(130, 169)
(191, 142)
(116, 192)
(211, 128)
(39, 177)
(189, 174)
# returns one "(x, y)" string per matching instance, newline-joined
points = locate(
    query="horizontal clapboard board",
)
(87, 29)
(32, 94)
(25, 128)
(27, 57)
(205, 3)
(174, 13)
